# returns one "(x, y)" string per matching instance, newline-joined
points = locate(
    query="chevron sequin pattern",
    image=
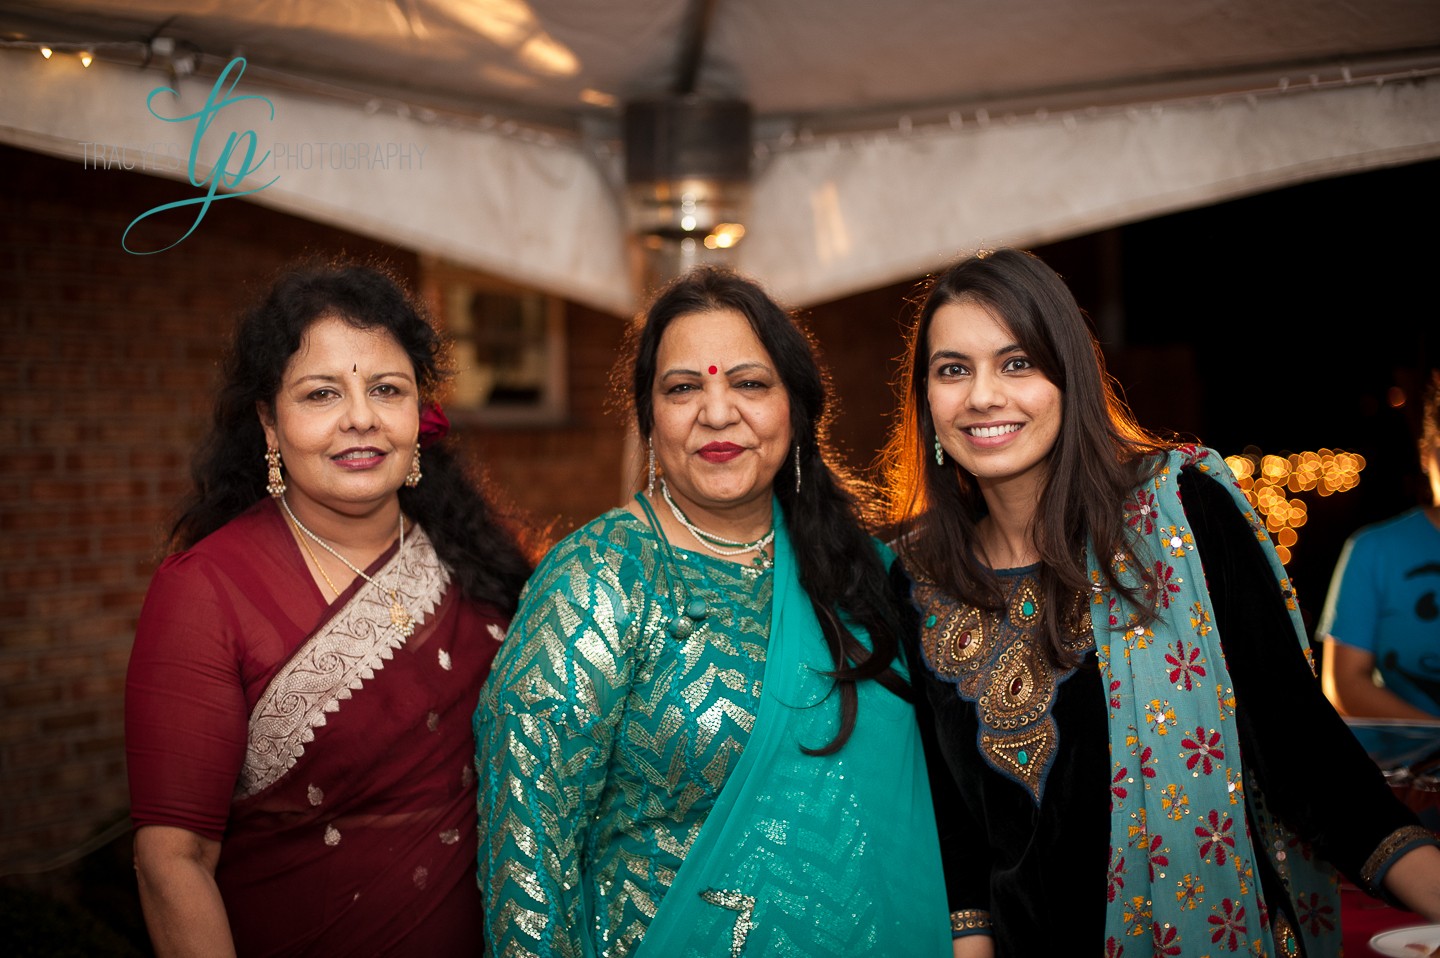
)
(603, 742)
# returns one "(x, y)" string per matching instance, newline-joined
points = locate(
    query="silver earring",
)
(650, 483)
(797, 467)
(939, 452)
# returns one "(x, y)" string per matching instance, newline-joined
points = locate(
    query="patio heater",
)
(687, 179)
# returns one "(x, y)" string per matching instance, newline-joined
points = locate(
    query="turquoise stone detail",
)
(1023, 757)
(1027, 607)
(930, 621)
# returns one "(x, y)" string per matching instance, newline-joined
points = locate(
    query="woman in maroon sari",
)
(299, 695)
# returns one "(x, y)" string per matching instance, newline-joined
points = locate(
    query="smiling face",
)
(722, 415)
(995, 413)
(346, 419)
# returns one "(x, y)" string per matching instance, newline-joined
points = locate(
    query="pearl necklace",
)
(399, 616)
(713, 542)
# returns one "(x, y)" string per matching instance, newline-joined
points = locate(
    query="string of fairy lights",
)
(776, 134)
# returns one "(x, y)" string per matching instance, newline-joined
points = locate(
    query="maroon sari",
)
(330, 756)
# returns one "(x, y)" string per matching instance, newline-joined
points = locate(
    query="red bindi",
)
(714, 370)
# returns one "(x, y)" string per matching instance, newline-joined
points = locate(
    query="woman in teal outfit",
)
(697, 736)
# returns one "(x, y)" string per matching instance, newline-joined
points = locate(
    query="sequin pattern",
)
(603, 742)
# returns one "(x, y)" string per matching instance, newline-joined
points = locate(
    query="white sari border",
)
(336, 661)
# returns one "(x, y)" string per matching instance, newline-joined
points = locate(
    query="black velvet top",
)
(1040, 871)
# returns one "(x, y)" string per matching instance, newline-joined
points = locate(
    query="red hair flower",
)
(434, 425)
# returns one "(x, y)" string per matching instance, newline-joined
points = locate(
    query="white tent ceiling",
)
(888, 135)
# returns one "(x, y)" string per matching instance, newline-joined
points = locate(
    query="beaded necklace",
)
(399, 616)
(717, 544)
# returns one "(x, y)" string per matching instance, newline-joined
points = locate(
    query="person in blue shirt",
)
(1381, 622)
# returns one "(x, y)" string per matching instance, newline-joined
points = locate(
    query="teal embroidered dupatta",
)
(812, 855)
(1187, 822)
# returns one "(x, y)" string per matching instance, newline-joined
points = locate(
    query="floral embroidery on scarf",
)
(1214, 832)
(1186, 666)
(1174, 802)
(1115, 879)
(1161, 585)
(1191, 893)
(1315, 913)
(1166, 939)
(1137, 915)
(1155, 852)
(1140, 512)
(1202, 750)
(1228, 922)
(1171, 703)
(1178, 541)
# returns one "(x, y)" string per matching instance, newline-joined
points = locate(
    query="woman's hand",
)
(183, 910)
(1415, 880)
(975, 946)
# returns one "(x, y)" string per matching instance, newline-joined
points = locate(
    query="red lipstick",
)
(718, 452)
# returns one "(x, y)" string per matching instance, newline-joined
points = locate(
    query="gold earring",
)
(274, 481)
(412, 478)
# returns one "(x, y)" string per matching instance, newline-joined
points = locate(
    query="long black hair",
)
(1100, 454)
(836, 559)
(482, 547)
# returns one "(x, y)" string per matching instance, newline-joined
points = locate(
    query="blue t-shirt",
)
(1385, 599)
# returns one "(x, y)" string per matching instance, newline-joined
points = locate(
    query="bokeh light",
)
(1270, 484)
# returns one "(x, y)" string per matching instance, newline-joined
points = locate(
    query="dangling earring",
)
(274, 481)
(650, 482)
(412, 478)
(939, 452)
(797, 467)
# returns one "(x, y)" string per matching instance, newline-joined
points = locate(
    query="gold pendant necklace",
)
(400, 617)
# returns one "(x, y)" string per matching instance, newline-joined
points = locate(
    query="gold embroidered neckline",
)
(997, 660)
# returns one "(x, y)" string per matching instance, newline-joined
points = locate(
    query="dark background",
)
(1283, 322)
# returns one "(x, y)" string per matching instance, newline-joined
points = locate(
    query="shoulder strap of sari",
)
(795, 849)
(336, 661)
(1182, 841)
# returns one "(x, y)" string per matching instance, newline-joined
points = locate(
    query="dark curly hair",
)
(1100, 454)
(482, 548)
(837, 562)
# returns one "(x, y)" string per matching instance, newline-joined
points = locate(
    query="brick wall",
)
(108, 362)
(561, 476)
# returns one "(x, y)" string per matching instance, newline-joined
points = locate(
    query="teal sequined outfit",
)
(603, 743)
